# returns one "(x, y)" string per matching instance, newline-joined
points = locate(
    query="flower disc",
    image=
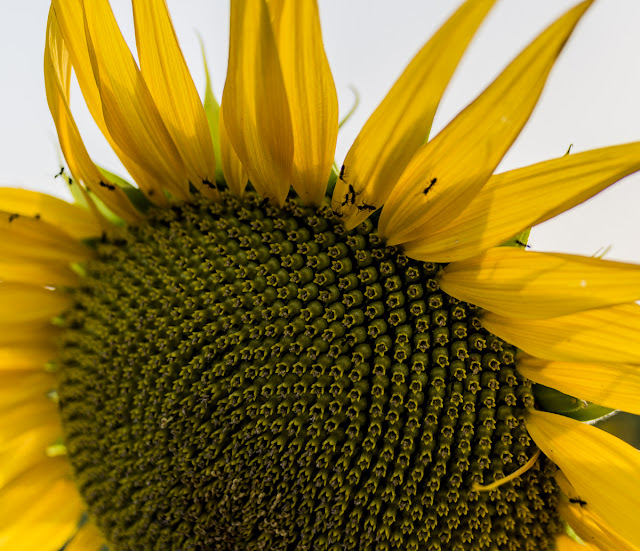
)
(237, 376)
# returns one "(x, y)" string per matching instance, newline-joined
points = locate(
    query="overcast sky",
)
(592, 98)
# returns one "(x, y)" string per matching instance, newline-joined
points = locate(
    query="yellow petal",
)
(40, 509)
(522, 198)
(88, 538)
(18, 386)
(33, 239)
(19, 419)
(167, 76)
(603, 335)
(256, 110)
(565, 543)
(29, 421)
(70, 18)
(445, 174)
(311, 93)
(234, 173)
(21, 302)
(26, 450)
(26, 356)
(523, 284)
(27, 431)
(129, 110)
(38, 272)
(585, 523)
(614, 385)
(25, 489)
(78, 222)
(591, 531)
(57, 71)
(27, 345)
(401, 123)
(604, 470)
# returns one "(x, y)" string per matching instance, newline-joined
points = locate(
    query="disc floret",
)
(236, 375)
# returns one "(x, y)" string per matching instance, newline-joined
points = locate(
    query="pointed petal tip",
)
(402, 121)
(446, 173)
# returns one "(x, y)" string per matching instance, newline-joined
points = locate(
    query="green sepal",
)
(519, 240)
(78, 196)
(592, 412)
(84, 518)
(79, 269)
(82, 198)
(53, 396)
(554, 401)
(333, 178)
(356, 102)
(570, 532)
(76, 193)
(212, 111)
(138, 199)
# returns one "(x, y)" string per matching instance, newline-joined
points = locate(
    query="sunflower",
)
(252, 349)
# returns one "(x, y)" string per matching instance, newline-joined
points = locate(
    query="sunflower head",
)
(300, 384)
(251, 349)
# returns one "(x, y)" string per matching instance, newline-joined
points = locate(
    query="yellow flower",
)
(203, 363)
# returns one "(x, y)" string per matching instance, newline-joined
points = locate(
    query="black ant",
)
(208, 183)
(341, 173)
(59, 173)
(12, 217)
(365, 206)
(347, 199)
(521, 244)
(110, 187)
(577, 500)
(428, 188)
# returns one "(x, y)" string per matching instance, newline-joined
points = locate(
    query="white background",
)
(592, 98)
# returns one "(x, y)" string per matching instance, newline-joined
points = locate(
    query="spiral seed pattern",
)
(236, 376)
